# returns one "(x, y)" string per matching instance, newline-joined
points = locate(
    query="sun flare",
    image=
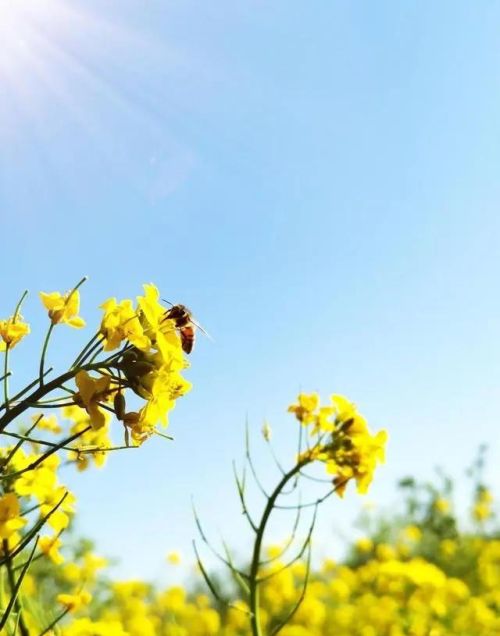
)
(47, 47)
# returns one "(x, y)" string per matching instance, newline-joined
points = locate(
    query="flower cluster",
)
(150, 365)
(342, 440)
(134, 356)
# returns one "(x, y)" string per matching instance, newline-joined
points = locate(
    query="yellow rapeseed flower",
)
(47, 423)
(364, 544)
(305, 406)
(91, 391)
(442, 505)
(12, 331)
(10, 515)
(59, 519)
(483, 505)
(174, 558)
(63, 308)
(121, 322)
(50, 547)
(74, 602)
(161, 332)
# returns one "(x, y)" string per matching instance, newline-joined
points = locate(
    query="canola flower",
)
(63, 308)
(339, 437)
(395, 584)
(134, 356)
(343, 441)
(12, 331)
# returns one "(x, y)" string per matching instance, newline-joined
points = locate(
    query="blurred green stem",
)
(254, 583)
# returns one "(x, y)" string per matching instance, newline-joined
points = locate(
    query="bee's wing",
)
(197, 324)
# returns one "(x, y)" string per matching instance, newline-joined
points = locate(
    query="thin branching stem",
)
(40, 392)
(6, 372)
(311, 504)
(20, 443)
(299, 554)
(34, 530)
(56, 620)
(248, 457)
(219, 556)
(41, 375)
(42, 458)
(6, 377)
(240, 486)
(15, 586)
(255, 620)
(288, 543)
(28, 387)
(85, 351)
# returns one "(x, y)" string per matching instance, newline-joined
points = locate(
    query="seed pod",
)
(119, 405)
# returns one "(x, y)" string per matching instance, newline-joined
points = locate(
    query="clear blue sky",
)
(318, 181)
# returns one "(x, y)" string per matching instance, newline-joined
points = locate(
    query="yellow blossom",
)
(166, 388)
(47, 423)
(121, 322)
(364, 544)
(412, 533)
(160, 331)
(305, 407)
(174, 558)
(10, 515)
(13, 331)
(63, 308)
(74, 602)
(50, 547)
(91, 391)
(442, 505)
(482, 508)
(38, 482)
(65, 500)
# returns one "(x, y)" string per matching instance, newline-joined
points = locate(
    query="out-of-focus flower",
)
(10, 515)
(74, 602)
(174, 558)
(442, 505)
(483, 505)
(50, 547)
(47, 423)
(266, 432)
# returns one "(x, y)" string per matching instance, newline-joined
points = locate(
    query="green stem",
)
(6, 378)
(255, 620)
(6, 359)
(44, 353)
(29, 386)
(41, 392)
(85, 351)
(42, 458)
(54, 623)
(9, 457)
(14, 588)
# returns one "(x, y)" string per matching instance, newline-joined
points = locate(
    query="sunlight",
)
(26, 28)
(46, 48)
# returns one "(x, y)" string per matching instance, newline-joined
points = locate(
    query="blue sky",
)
(318, 181)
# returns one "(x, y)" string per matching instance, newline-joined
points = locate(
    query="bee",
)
(184, 322)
